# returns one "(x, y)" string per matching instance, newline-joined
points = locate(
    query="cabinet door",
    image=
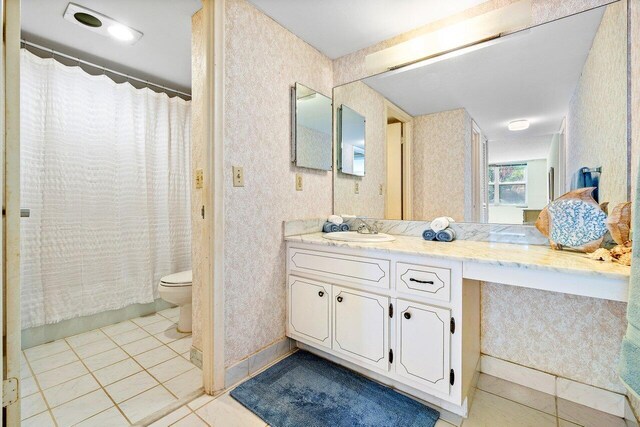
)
(309, 315)
(361, 326)
(423, 344)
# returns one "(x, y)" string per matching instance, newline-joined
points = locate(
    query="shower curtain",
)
(105, 171)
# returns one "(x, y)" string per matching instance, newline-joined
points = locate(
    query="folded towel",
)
(344, 227)
(446, 235)
(441, 223)
(429, 234)
(335, 219)
(330, 227)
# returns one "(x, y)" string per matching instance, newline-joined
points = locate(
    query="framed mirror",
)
(311, 128)
(493, 132)
(351, 137)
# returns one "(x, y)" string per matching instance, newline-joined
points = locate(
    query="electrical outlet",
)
(199, 178)
(298, 182)
(381, 190)
(356, 188)
(238, 176)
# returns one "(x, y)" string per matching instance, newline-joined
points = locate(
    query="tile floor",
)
(113, 376)
(497, 403)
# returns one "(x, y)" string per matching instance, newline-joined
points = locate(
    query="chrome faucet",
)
(366, 228)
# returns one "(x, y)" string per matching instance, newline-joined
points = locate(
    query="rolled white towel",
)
(335, 219)
(440, 223)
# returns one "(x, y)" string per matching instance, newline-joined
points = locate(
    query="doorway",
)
(398, 202)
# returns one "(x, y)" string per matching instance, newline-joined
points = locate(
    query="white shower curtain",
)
(105, 170)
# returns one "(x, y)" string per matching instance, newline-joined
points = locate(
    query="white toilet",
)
(176, 289)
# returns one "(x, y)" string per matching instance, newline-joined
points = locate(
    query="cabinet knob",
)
(339, 299)
(407, 315)
(320, 294)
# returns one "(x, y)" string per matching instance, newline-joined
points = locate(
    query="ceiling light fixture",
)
(517, 125)
(101, 24)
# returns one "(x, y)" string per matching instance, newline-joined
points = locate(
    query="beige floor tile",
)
(185, 384)
(226, 412)
(565, 423)
(59, 375)
(587, 417)
(130, 336)
(105, 359)
(200, 401)
(147, 320)
(94, 348)
(443, 423)
(28, 386)
(186, 355)
(44, 350)
(181, 345)
(170, 312)
(130, 386)
(32, 405)
(119, 328)
(51, 362)
(43, 419)
(25, 370)
(171, 418)
(141, 346)
(112, 417)
(70, 390)
(81, 408)
(171, 335)
(157, 327)
(517, 393)
(154, 357)
(491, 410)
(191, 420)
(86, 338)
(170, 369)
(117, 371)
(146, 403)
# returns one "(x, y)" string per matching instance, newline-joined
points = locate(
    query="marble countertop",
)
(501, 254)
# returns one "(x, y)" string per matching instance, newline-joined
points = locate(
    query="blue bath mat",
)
(304, 390)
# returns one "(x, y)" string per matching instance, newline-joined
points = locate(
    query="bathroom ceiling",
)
(528, 75)
(339, 27)
(162, 55)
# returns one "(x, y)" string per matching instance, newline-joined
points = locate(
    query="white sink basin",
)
(354, 236)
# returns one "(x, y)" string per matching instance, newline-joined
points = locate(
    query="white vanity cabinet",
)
(407, 321)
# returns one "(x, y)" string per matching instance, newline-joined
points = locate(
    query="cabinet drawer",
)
(423, 280)
(354, 269)
(309, 310)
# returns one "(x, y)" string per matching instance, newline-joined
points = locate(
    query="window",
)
(508, 184)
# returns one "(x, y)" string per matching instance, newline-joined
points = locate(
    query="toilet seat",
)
(177, 280)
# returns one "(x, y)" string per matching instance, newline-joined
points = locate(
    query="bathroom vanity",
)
(407, 313)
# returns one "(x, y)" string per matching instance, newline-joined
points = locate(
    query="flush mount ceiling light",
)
(101, 24)
(519, 125)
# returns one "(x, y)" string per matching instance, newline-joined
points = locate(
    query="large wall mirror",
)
(492, 133)
(311, 125)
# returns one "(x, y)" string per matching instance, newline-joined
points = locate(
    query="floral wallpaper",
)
(567, 335)
(263, 60)
(442, 142)
(597, 119)
(369, 202)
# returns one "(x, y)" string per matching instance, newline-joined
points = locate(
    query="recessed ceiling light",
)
(519, 125)
(101, 24)
(120, 32)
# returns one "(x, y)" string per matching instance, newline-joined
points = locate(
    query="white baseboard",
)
(584, 394)
(247, 367)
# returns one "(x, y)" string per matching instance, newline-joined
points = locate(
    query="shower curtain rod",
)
(104, 69)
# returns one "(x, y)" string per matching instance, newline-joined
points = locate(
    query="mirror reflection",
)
(493, 132)
(312, 129)
(351, 134)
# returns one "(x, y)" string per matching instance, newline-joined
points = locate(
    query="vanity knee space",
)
(409, 332)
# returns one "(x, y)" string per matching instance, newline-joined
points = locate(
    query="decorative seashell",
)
(601, 254)
(619, 223)
(625, 259)
(620, 250)
(574, 220)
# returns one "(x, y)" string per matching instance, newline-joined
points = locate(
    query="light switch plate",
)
(238, 176)
(356, 188)
(298, 182)
(199, 178)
